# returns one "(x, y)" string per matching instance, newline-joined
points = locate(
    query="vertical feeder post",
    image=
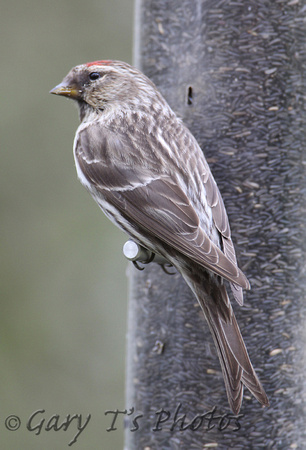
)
(235, 72)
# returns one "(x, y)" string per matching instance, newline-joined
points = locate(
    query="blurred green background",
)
(63, 275)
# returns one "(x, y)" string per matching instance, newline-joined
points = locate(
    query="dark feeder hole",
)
(189, 95)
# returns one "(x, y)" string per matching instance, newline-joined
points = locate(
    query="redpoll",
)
(148, 174)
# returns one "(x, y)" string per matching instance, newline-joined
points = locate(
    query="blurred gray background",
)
(63, 275)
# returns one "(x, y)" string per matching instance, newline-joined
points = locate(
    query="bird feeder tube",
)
(235, 73)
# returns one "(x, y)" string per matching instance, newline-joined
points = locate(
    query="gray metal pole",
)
(235, 72)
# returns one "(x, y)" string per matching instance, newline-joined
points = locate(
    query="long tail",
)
(235, 362)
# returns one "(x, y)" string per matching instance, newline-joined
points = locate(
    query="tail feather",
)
(232, 371)
(235, 363)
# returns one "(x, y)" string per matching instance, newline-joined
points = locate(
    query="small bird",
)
(149, 176)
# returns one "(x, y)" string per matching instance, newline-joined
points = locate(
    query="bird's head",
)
(101, 85)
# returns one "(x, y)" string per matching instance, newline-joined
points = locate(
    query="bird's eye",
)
(94, 76)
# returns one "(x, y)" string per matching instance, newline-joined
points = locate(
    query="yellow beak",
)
(71, 91)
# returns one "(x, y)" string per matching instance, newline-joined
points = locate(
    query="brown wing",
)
(152, 200)
(220, 218)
